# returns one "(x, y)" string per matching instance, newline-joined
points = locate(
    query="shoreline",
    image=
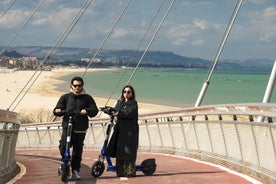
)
(43, 94)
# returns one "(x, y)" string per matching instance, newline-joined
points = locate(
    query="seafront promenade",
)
(191, 145)
(40, 166)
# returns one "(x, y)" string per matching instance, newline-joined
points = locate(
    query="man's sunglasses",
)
(77, 85)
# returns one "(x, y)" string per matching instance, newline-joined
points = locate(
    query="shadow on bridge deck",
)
(40, 166)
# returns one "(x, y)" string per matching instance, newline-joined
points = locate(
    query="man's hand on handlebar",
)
(70, 112)
(83, 112)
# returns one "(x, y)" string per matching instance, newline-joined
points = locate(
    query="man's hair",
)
(77, 79)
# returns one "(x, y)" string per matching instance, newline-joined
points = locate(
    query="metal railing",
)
(9, 128)
(229, 135)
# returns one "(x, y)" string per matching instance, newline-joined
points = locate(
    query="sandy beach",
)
(30, 91)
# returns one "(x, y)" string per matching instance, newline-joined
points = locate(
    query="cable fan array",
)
(66, 33)
(72, 24)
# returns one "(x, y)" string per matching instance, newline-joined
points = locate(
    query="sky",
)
(192, 28)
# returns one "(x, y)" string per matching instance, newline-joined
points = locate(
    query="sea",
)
(177, 87)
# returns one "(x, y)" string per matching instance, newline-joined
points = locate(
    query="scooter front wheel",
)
(65, 170)
(97, 168)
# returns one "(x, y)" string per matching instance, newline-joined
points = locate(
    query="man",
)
(78, 101)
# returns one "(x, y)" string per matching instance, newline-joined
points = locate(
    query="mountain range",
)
(123, 57)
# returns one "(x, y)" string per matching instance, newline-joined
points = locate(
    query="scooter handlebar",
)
(108, 110)
(69, 112)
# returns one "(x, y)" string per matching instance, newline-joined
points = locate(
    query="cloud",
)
(268, 25)
(120, 33)
(265, 38)
(258, 2)
(196, 25)
(269, 13)
(200, 24)
(263, 23)
(57, 19)
(198, 42)
(180, 41)
(14, 18)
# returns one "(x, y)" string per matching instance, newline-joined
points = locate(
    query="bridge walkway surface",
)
(40, 166)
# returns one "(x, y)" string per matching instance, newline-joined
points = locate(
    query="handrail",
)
(9, 128)
(243, 109)
(228, 135)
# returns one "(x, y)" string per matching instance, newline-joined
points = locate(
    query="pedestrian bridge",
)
(238, 136)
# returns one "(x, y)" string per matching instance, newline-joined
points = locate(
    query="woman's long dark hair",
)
(132, 90)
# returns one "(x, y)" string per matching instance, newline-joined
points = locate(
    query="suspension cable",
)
(13, 38)
(12, 3)
(225, 36)
(52, 52)
(153, 37)
(106, 38)
(134, 53)
(214, 63)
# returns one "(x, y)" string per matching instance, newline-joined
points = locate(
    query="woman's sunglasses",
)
(127, 92)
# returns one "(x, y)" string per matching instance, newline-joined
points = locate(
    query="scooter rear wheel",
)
(148, 166)
(97, 168)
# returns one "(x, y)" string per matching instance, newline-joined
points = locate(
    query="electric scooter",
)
(148, 166)
(64, 169)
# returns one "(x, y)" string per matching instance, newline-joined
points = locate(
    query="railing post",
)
(269, 89)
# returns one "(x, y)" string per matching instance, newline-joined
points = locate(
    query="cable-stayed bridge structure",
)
(240, 137)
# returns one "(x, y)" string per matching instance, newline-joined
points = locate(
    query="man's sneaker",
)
(75, 175)
(59, 171)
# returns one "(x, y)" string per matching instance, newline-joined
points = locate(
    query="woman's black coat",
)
(124, 141)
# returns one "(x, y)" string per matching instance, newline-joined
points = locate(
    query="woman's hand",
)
(57, 110)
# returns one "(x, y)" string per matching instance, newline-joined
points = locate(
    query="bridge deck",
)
(40, 166)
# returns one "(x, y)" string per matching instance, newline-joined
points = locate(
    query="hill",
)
(123, 57)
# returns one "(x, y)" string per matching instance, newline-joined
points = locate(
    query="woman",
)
(124, 140)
